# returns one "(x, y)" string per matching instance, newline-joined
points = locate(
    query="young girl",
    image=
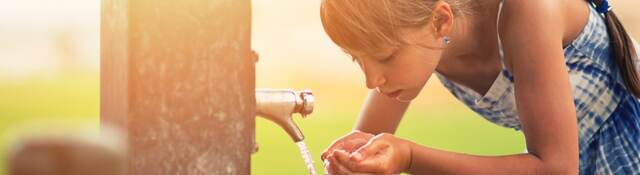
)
(562, 71)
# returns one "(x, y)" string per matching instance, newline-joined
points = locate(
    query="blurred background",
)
(49, 80)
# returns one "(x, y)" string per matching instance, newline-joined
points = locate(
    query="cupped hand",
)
(347, 143)
(382, 154)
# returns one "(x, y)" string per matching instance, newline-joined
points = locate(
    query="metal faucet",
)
(278, 105)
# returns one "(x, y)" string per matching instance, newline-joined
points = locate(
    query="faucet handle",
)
(305, 103)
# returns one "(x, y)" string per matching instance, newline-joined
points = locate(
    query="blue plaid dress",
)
(608, 116)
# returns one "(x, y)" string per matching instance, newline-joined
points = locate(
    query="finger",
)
(333, 169)
(330, 170)
(335, 145)
(324, 155)
(370, 149)
(363, 134)
(326, 165)
(369, 165)
(343, 158)
(349, 143)
(358, 140)
(353, 144)
(337, 168)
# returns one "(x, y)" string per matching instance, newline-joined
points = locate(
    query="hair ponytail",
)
(623, 49)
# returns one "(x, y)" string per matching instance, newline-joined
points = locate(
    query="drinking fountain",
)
(279, 105)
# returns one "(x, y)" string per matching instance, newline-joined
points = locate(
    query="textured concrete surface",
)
(178, 78)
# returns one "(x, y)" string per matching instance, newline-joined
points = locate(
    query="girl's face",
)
(368, 31)
(401, 72)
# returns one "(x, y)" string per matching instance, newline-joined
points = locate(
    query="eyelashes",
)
(389, 58)
(354, 59)
(384, 60)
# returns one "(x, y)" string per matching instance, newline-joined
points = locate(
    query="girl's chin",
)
(404, 98)
(408, 95)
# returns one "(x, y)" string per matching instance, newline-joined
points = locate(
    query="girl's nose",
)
(374, 75)
(375, 81)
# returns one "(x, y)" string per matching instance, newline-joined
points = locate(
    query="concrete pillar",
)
(178, 78)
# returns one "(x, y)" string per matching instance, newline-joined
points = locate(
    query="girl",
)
(562, 71)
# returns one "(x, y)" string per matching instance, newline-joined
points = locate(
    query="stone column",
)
(178, 78)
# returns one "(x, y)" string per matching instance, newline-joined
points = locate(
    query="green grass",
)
(72, 101)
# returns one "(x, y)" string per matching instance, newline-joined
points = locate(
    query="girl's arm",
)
(380, 114)
(426, 160)
(532, 33)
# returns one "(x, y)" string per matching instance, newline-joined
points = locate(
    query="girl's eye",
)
(389, 58)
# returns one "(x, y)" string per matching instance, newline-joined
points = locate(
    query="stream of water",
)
(306, 155)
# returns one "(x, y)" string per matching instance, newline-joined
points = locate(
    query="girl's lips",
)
(394, 94)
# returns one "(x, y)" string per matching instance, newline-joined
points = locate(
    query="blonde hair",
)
(370, 25)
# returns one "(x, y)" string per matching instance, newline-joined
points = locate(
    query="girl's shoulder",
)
(521, 16)
(527, 9)
(529, 21)
(527, 15)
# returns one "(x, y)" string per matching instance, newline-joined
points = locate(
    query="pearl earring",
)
(446, 40)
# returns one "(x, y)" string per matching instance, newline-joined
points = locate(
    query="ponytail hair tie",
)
(603, 7)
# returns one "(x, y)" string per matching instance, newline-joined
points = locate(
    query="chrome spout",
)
(278, 105)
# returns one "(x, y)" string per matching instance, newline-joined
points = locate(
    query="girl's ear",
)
(442, 19)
